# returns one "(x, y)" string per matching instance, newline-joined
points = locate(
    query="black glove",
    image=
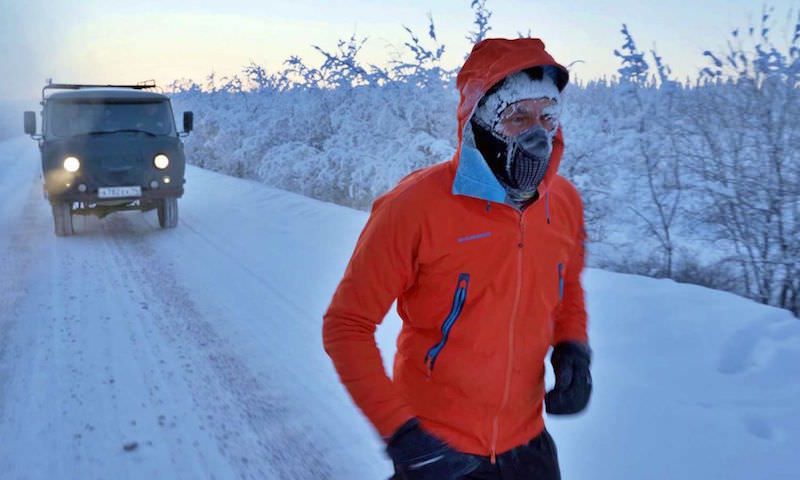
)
(418, 455)
(573, 380)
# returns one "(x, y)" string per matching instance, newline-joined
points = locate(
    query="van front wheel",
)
(62, 218)
(168, 212)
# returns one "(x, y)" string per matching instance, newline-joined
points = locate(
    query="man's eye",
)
(547, 117)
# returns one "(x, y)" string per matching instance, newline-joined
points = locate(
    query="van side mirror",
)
(30, 123)
(188, 122)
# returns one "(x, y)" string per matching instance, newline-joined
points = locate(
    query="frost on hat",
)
(515, 87)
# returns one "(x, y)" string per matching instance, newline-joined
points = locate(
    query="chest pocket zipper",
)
(560, 282)
(459, 298)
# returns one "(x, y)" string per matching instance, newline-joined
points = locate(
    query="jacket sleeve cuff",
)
(576, 335)
(404, 428)
(395, 424)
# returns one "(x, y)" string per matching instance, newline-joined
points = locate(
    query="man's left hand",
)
(573, 380)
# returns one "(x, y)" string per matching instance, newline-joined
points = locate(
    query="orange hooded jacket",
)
(483, 289)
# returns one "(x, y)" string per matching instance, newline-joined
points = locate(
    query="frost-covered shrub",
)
(342, 132)
(742, 142)
(712, 170)
(344, 145)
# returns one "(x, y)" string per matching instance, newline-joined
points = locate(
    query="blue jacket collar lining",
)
(475, 179)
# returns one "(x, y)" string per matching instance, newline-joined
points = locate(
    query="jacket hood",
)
(490, 61)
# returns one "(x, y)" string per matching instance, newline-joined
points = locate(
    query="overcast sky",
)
(114, 41)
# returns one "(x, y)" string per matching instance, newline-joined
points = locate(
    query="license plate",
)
(119, 192)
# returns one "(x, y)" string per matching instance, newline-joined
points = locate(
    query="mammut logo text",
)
(477, 236)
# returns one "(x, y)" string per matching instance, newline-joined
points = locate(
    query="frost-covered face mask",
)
(514, 126)
(518, 145)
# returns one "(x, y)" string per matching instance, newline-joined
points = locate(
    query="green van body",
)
(107, 149)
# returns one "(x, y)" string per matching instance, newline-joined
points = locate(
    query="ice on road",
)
(131, 352)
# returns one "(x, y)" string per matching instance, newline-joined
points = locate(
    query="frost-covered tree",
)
(744, 142)
(425, 69)
(481, 21)
(588, 159)
(647, 107)
(634, 69)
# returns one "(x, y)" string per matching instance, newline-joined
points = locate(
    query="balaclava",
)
(518, 160)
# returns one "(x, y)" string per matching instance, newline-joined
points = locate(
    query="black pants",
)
(535, 460)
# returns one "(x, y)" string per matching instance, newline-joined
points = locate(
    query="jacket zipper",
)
(547, 205)
(514, 309)
(560, 282)
(459, 298)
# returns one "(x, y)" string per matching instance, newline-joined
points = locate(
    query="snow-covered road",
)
(131, 352)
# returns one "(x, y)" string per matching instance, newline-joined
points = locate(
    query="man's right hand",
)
(418, 455)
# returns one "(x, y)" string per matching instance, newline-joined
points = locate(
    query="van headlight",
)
(72, 164)
(161, 161)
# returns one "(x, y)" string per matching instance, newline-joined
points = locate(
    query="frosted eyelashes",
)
(525, 115)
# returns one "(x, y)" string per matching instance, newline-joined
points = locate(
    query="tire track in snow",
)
(248, 417)
(16, 261)
(135, 356)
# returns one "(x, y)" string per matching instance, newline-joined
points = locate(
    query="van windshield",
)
(84, 117)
